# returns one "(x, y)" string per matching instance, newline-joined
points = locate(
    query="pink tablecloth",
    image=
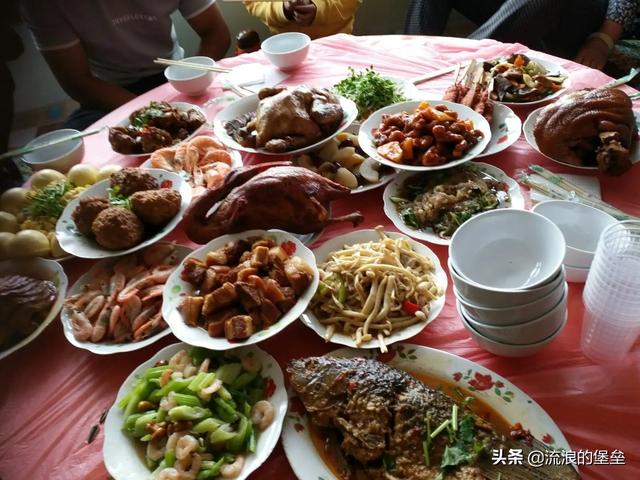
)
(53, 392)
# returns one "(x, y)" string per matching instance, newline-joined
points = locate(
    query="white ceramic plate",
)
(506, 128)
(72, 241)
(176, 289)
(496, 391)
(365, 136)
(360, 236)
(250, 104)
(530, 123)
(107, 348)
(428, 235)
(181, 107)
(44, 270)
(552, 69)
(120, 454)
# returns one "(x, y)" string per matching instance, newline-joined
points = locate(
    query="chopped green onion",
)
(454, 417)
(440, 428)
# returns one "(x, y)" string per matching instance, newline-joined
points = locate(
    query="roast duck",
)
(268, 195)
(589, 128)
(288, 118)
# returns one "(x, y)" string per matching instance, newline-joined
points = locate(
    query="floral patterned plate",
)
(506, 128)
(176, 289)
(497, 392)
(44, 270)
(123, 460)
(75, 243)
(360, 236)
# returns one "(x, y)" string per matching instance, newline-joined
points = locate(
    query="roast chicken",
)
(288, 118)
(589, 128)
(268, 195)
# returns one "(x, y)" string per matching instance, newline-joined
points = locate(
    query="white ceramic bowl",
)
(507, 249)
(286, 50)
(494, 298)
(533, 331)
(581, 226)
(513, 315)
(190, 81)
(507, 349)
(576, 274)
(59, 157)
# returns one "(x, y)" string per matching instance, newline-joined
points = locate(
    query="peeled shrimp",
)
(168, 473)
(189, 467)
(186, 446)
(179, 361)
(262, 414)
(155, 451)
(232, 470)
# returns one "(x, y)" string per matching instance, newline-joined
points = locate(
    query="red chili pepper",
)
(269, 388)
(166, 184)
(410, 307)
(289, 247)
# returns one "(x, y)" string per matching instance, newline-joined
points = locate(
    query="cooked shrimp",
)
(262, 414)
(114, 319)
(216, 155)
(101, 325)
(168, 473)
(145, 316)
(131, 308)
(205, 393)
(172, 441)
(81, 326)
(204, 143)
(94, 306)
(186, 156)
(158, 253)
(168, 402)
(159, 275)
(165, 158)
(214, 174)
(189, 467)
(179, 361)
(186, 446)
(155, 451)
(232, 470)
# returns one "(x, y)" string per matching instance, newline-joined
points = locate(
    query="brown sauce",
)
(478, 406)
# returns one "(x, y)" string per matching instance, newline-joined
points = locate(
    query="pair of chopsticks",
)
(195, 66)
(24, 150)
(438, 73)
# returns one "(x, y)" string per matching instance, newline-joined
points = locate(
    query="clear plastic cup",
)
(611, 322)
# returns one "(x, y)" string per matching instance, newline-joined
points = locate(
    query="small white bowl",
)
(576, 274)
(287, 50)
(533, 331)
(506, 349)
(507, 249)
(581, 226)
(493, 298)
(59, 157)
(513, 315)
(190, 81)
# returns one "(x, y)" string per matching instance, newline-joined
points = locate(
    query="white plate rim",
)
(39, 268)
(249, 104)
(198, 336)
(358, 236)
(503, 114)
(517, 202)
(550, 67)
(529, 124)
(80, 246)
(113, 435)
(464, 112)
(307, 463)
(108, 348)
(181, 107)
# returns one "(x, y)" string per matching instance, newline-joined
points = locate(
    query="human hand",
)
(302, 12)
(593, 53)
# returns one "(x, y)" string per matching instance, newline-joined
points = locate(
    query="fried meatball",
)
(156, 207)
(86, 212)
(131, 180)
(117, 228)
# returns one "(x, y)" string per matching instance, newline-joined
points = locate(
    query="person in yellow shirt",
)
(316, 18)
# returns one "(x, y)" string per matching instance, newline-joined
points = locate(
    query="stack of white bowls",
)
(581, 226)
(509, 282)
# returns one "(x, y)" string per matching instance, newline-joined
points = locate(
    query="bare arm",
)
(213, 32)
(71, 67)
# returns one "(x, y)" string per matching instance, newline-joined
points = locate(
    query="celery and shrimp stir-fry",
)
(198, 414)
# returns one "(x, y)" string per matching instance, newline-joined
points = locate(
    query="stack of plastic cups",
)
(611, 322)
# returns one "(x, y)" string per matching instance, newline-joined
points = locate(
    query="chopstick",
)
(23, 150)
(437, 73)
(195, 66)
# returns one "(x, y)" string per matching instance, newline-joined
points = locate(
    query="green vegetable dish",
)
(369, 91)
(444, 200)
(199, 414)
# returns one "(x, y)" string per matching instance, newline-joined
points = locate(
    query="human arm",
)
(270, 13)
(595, 50)
(320, 12)
(71, 68)
(213, 31)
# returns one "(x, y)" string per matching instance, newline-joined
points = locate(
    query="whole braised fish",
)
(391, 426)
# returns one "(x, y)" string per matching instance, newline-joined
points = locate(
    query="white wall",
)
(37, 88)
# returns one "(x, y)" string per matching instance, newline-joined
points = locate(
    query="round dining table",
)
(53, 393)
